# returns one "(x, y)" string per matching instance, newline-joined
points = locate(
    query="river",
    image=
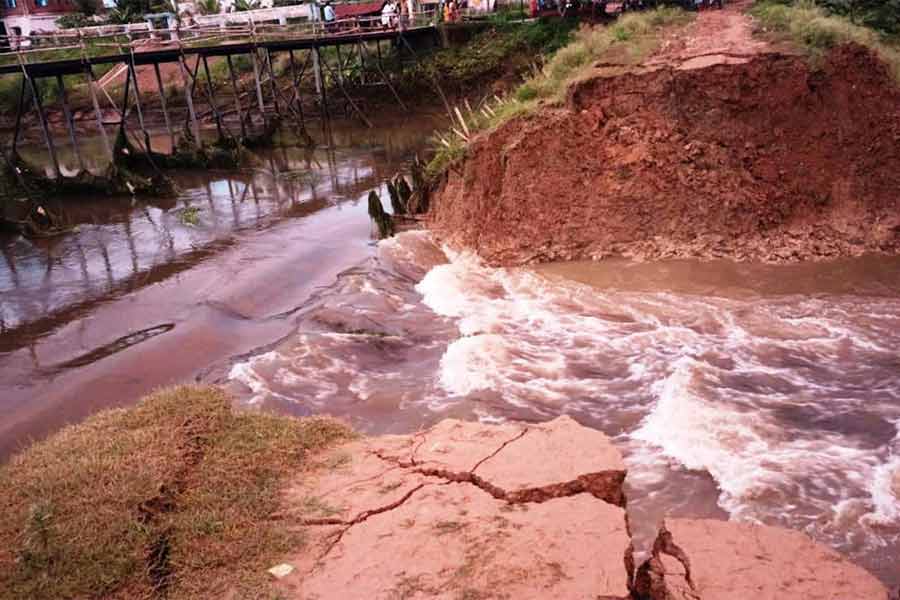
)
(765, 393)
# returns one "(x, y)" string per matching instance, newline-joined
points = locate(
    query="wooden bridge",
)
(323, 60)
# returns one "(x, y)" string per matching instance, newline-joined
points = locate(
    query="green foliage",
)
(489, 52)
(73, 20)
(883, 15)
(208, 7)
(190, 216)
(129, 11)
(813, 28)
(526, 92)
(244, 5)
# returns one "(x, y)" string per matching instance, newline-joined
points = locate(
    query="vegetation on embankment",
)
(881, 15)
(505, 48)
(174, 498)
(812, 28)
(632, 37)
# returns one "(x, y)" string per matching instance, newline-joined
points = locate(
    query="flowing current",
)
(760, 393)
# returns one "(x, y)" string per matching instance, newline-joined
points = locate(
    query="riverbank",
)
(718, 144)
(173, 498)
(181, 497)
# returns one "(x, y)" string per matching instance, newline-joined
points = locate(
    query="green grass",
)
(505, 43)
(635, 34)
(173, 498)
(812, 28)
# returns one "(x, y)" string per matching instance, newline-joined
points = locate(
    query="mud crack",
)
(358, 518)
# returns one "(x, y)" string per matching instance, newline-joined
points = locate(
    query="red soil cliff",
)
(769, 160)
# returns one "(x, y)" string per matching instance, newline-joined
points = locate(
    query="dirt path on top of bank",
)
(715, 37)
(719, 146)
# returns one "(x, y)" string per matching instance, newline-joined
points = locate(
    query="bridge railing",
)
(88, 42)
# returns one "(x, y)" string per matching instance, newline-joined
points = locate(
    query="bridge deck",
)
(173, 54)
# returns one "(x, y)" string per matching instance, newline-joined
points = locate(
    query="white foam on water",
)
(885, 488)
(772, 397)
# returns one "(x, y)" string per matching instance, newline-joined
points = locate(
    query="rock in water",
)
(700, 559)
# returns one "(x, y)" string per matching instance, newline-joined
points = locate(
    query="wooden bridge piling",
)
(319, 75)
(98, 114)
(45, 129)
(212, 98)
(237, 96)
(163, 104)
(70, 123)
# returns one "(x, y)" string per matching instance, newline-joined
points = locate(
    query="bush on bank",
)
(173, 498)
(882, 15)
(812, 27)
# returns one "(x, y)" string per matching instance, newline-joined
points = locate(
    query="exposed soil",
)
(758, 156)
(471, 510)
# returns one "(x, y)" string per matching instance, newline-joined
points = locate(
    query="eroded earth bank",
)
(474, 511)
(759, 157)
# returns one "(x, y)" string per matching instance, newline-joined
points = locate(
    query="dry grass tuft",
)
(173, 498)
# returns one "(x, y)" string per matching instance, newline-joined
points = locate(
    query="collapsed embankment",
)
(772, 159)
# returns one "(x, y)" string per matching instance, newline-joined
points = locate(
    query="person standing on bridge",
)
(387, 14)
(328, 13)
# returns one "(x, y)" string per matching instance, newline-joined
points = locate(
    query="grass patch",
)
(812, 28)
(635, 33)
(172, 498)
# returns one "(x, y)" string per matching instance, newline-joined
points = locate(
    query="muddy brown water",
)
(745, 391)
(144, 295)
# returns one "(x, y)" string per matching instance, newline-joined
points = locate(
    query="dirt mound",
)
(768, 160)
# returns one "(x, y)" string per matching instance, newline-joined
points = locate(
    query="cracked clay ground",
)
(466, 511)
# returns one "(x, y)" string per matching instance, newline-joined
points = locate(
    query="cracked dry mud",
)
(465, 510)
(472, 511)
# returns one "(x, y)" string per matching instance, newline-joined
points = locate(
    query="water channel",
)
(757, 392)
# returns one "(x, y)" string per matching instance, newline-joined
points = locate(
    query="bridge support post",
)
(98, 114)
(165, 110)
(259, 95)
(45, 130)
(212, 98)
(317, 72)
(295, 80)
(132, 72)
(70, 122)
(19, 110)
(237, 96)
(272, 83)
(195, 126)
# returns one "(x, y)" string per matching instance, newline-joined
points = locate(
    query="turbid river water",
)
(767, 393)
